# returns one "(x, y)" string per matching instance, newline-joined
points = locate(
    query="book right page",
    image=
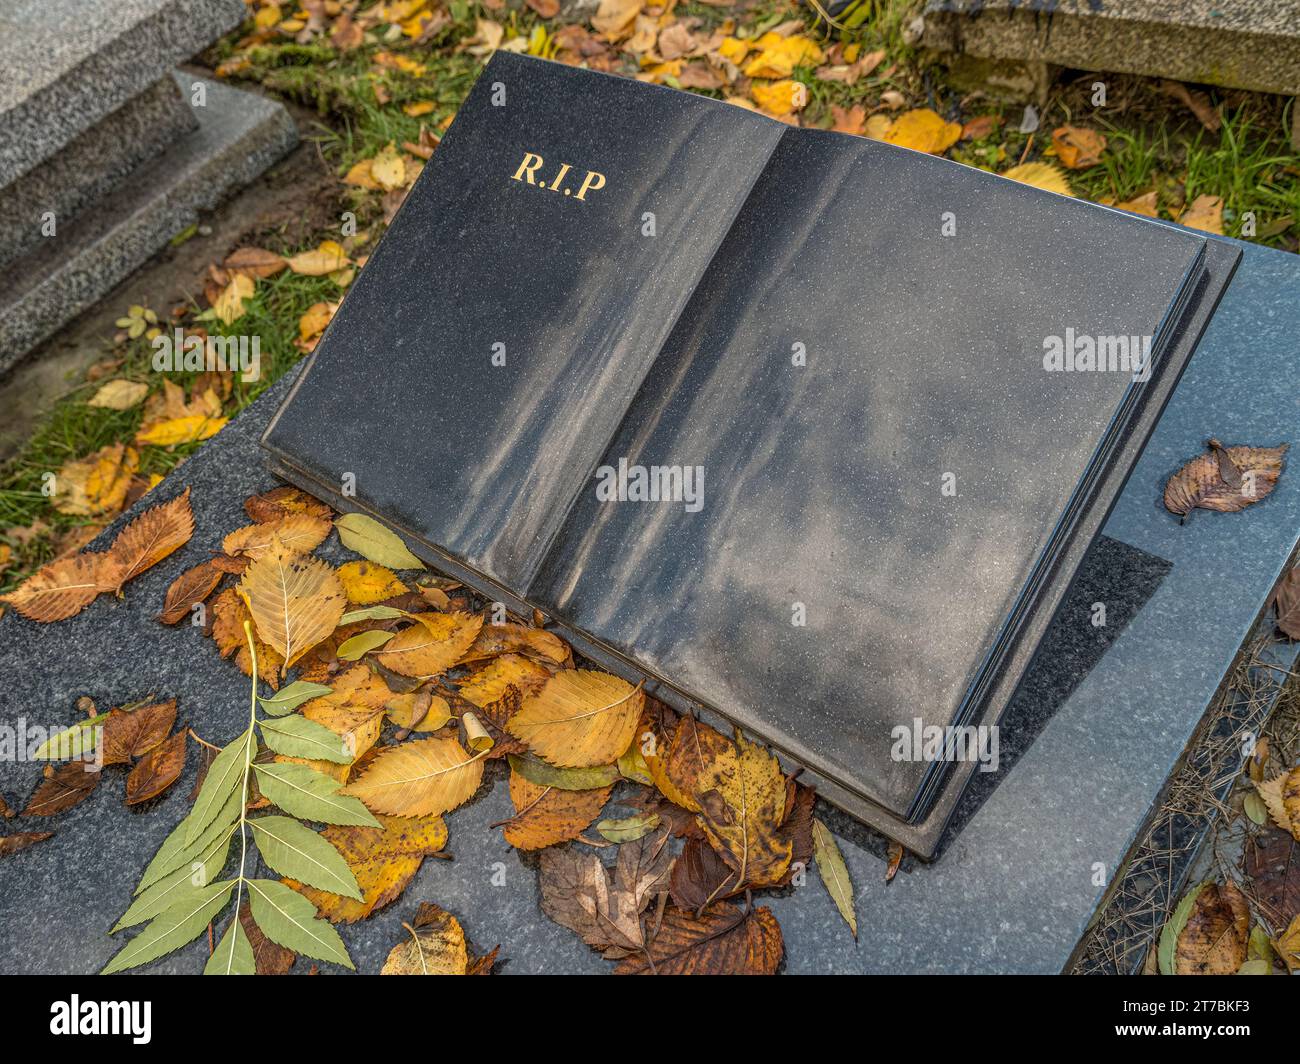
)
(846, 467)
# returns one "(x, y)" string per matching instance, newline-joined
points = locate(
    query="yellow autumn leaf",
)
(267, 16)
(579, 718)
(229, 305)
(96, 485)
(1206, 214)
(435, 945)
(733, 50)
(421, 778)
(326, 258)
(366, 582)
(779, 56)
(361, 177)
(923, 130)
(1040, 175)
(418, 710)
(1144, 204)
(742, 796)
(180, 430)
(615, 17)
(432, 645)
(118, 395)
(878, 127)
(780, 97)
(300, 533)
(295, 600)
(316, 318)
(388, 168)
(418, 108)
(489, 684)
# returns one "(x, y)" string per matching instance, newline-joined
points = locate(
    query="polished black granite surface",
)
(885, 488)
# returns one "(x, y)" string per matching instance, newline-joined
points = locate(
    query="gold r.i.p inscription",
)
(529, 171)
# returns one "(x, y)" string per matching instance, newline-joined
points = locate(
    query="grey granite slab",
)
(1011, 892)
(93, 164)
(1247, 44)
(65, 64)
(239, 134)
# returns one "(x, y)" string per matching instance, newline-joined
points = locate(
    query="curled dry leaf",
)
(383, 859)
(152, 536)
(496, 639)
(63, 787)
(545, 816)
(700, 876)
(301, 533)
(722, 940)
(133, 733)
(1286, 601)
(191, 587)
(1214, 939)
(580, 718)
(20, 840)
(432, 645)
(157, 770)
(420, 778)
(295, 600)
(435, 945)
(280, 502)
(1226, 479)
(64, 588)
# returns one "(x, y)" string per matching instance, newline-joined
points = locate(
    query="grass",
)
(1153, 143)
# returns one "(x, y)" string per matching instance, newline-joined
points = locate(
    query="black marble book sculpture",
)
(805, 429)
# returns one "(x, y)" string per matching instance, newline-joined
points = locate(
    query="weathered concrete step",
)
(1248, 44)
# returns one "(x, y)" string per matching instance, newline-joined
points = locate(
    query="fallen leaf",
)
(1288, 946)
(742, 796)
(295, 600)
(489, 684)
(269, 958)
(383, 859)
(1205, 213)
(432, 644)
(1200, 482)
(156, 770)
(279, 502)
(191, 587)
(327, 258)
(255, 262)
(722, 940)
(96, 486)
(373, 541)
(230, 305)
(628, 829)
(151, 537)
(229, 612)
(980, 127)
(365, 582)
(579, 718)
(923, 130)
(188, 429)
(435, 943)
(1272, 860)
(849, 119)
(536, 643)
(64, 588)
(421, 778)
(1195, 101)
(63, 787)
(1040, 175)
(1147, 204)
(129, 734)
(779, 56)
(835, 874)
(1078, 148)
(1213, 941)
(779, 97)
(299, 533)
(1286, 601)
(388, 168)
(678, 763)
(119, 395)
(613, 18)
(545, 816)
(700, 876)
(20, 840)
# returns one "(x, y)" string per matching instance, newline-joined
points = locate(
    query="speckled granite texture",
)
(239, 135)
(1247, 44)
(93, 164)
(65, 64)
(1013, 890)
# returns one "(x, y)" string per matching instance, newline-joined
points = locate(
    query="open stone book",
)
(804, 429)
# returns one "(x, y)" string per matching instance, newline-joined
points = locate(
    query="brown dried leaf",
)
(20, 840)
(63, 787)
(152, 536)
(280, 502)
(191, 587)
(1286, 601)
(1272, 860)
(435, 942)
(700, 876)
(133, 733)
(300, 533)
(678, 762)
(723, 940)
(545, 816)
(1078, 148)
(496, 639)
(254, 262)
(229, 613)
(269, 958)
(65, 587)
(1213, 942)
(157, 770)
(1200, 482)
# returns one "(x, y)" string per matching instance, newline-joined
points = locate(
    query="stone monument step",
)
(1253, 45)
(82, 59)
(92, 165)
(239, 134)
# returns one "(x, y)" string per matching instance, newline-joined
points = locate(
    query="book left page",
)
(476, 371)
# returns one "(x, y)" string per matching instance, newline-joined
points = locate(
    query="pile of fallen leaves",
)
(654, 829)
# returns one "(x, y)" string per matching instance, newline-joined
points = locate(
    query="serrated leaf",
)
(362, 643)
(151, 537)
(366, 582)
(300, 533)
(290, 697)
(295, 600)
(545, 816)
(175, 851)
(435, 946)
(75, 742)
(65, 587)
(296, 736)
(234, 953)
(834, 873)
(165, 893)
(289, 919)
(1226, 479)
(580, 718)
(432, 645)
(419, 778)
(310, 795)
(171, 930)
(372, 540)
(299, 853)
(225, 775)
